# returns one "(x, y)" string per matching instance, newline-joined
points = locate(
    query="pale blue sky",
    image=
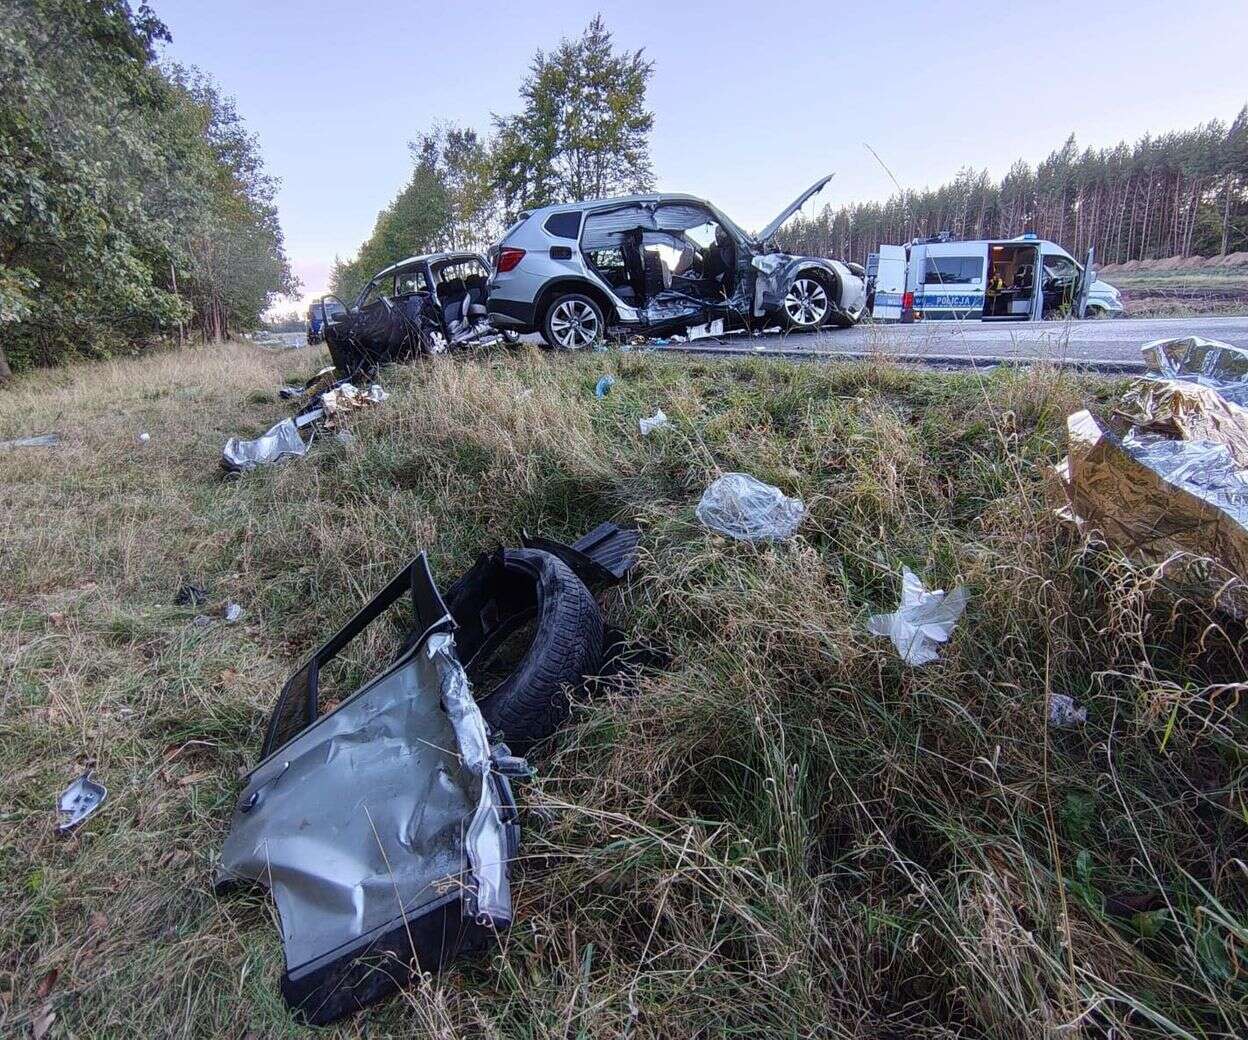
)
(753, 101)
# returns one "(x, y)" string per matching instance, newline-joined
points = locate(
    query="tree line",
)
(1180, 194)
(134, 204)
(582, 132)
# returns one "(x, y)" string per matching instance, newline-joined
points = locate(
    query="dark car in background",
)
(422, 305)
(316, 317)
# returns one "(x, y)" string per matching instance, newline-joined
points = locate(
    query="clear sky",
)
(753, 101)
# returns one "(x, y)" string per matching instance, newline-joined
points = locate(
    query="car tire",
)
(573, 321)
(523, 694)
(807, 304)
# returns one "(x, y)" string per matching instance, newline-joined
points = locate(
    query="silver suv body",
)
(657, 265)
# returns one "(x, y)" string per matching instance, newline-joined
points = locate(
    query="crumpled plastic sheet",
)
(650, 423)
(281, 441)
(922, 621)
(1064, 713)
(745, 508)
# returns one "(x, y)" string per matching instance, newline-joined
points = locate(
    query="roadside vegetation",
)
(783, 833)
(134, 204)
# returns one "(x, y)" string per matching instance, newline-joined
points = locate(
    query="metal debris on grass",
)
(78, 801)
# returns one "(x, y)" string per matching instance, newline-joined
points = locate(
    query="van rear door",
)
(890, 283)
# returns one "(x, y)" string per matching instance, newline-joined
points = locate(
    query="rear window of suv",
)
(564, 225)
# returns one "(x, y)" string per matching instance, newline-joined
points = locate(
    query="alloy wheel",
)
(574, 324)
(806, 303)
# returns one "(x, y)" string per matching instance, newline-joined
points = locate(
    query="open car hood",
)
(792, 208)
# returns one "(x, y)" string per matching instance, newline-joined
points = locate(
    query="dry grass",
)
(784, 834)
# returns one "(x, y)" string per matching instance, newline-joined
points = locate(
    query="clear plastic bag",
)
(745, 508)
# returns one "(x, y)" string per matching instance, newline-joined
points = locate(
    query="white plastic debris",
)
(745, 508)
(652, 423)
(923, 620)
(232, 613)
(144, 437)
(1064, 713)
(711, 328)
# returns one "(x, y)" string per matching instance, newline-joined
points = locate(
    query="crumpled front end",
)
(777, 272)
(384, 829)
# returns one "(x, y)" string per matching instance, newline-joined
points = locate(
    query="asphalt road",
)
(1106, 344)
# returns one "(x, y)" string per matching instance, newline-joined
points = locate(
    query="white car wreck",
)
(660, 264)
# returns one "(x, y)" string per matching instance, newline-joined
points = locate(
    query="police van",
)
(1017, 279)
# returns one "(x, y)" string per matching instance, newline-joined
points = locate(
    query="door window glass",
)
(953, 270)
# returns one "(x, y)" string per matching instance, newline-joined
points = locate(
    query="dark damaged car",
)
(659, 265)
(422, 305)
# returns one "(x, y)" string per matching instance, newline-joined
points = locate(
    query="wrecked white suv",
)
(656, 265)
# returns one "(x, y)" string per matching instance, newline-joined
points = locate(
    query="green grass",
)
(786, 833)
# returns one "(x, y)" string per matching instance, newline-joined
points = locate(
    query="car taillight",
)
(508, 257)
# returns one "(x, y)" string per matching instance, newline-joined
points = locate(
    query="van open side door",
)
(890, 283)
(1085, 284)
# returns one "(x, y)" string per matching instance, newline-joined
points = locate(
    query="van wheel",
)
(573, 321)
(807, 303)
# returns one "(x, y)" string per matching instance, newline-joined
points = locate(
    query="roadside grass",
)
(784, 833)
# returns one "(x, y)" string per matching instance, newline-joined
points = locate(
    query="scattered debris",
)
(281, 441)
(286, 393)
(923, 620)
(745, 508)
(191, 596)
(604, 386)
(79, 801)
(1064, 713)
(417, 823)
(1166, 477)
(144, 437)
(346, 397)
(713, 328)
(44, 440)
(232, 613)
(648, 425)
(345, 437)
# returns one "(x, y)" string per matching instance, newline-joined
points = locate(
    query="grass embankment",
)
(1181, 292)
(786, 833)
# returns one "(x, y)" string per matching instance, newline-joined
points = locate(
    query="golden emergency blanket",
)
(1173, 488)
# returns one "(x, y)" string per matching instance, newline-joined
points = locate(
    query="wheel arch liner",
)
(381, 828)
